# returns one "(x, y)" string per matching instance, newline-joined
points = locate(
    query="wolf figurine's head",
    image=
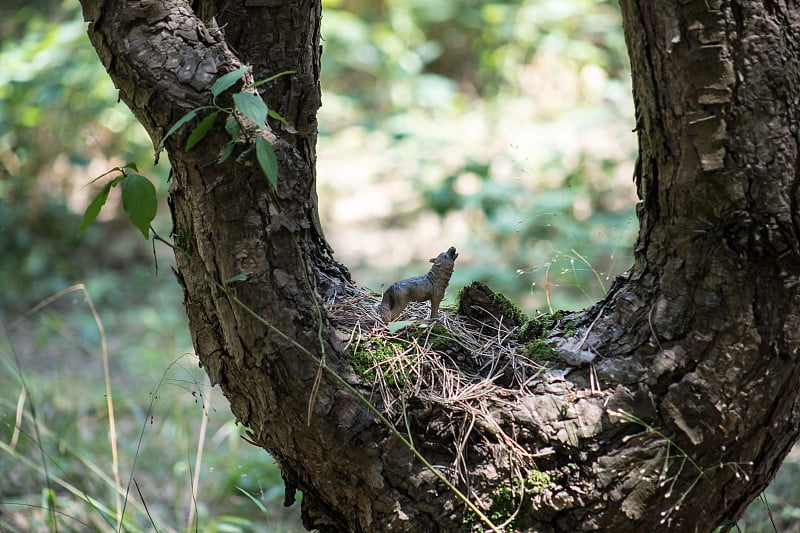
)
(449, 255)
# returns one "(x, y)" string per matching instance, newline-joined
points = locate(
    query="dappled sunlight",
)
(503, 129)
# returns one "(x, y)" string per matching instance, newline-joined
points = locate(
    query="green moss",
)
(442, 340)
(506, 500)
(541, 351)
(182, 240)
(533, 329)
(366, 355)
(511, 310)
(569, 328)
(537, 482)
(459, 294)
(497, 304)
(440, 330)
(541, 325)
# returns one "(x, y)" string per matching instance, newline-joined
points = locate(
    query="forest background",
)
(501, 128)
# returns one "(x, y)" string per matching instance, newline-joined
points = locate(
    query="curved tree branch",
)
(696, 348)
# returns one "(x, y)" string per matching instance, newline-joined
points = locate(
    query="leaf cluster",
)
(138, 199)
(138, 193)
(246, 103)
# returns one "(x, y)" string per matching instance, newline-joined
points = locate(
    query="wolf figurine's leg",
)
(435, 307)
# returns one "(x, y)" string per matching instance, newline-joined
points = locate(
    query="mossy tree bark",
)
(699, 343)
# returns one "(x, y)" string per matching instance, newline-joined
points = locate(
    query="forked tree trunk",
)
(697, 347)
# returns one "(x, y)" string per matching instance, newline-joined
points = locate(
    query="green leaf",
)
(226, 153)
(251, 106)
(107, 172)
(226, 81)
(93, 209)
(278, 75)
(394, 327)
(276, 116)
(232, 127)
(186, 118)
(237, 277)
(267, 160)
(139, 201)
(200, 131)
(255, 501)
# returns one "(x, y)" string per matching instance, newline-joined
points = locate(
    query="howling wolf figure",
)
(431, 287)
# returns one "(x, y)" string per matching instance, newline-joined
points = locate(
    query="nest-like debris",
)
(470, 368)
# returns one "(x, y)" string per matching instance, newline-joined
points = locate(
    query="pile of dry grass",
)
(470, 369)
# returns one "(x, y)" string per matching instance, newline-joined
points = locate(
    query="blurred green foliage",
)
(386, 56)
(59, 118)
(414, 76)
(506, 124)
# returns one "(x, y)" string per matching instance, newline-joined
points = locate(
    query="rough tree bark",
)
(699, 342)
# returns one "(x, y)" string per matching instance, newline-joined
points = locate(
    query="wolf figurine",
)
(431, 287)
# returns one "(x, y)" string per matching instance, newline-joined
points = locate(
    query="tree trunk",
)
(696, 348)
